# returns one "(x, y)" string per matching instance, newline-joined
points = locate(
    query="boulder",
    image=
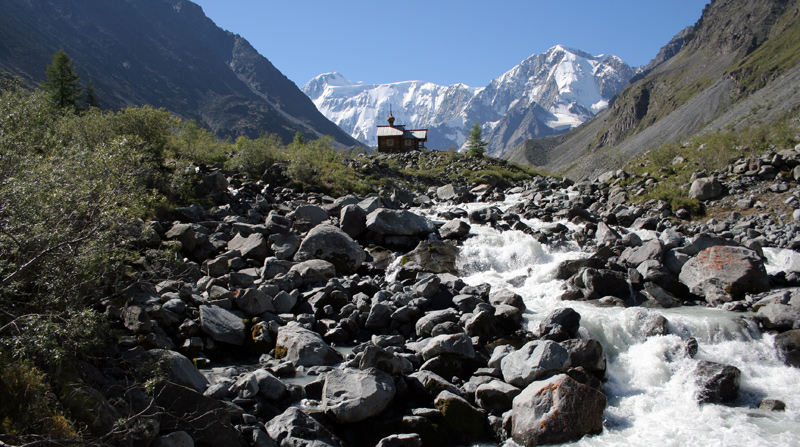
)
(253, 301)
(587, 354)
(136, 319)
(555, 411)
(649, 250)
(222, 325)
(534, 360)
(398, 223)
(454, 229)
(191, 236)
(431, 384)
(353, 220)
(788, 345)
(314, 271)
(606, 282)
(174, 439)
(432, 256)
(496, 396)
(717, 383)
(780, 317)
(275, 223)
(705, 189)
(180, 369)
(401, 440)
(725, 273)
(425, 325)
(253, 246)
(331, 244)
(352, 395)
(294, 428)
(206, 420)
(507, 297)
(310, 215)
(455, 344)
(465, 422)
(303, 347)
(560, 324)
(284, 245)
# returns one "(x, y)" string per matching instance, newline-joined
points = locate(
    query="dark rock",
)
(788, 344)
(432, 256)
(560, 324)
(353, 220)
(253, 246)
(496, 396)
(206, 420)
(718, 383)
(780, 317)
(464, 421)
(398, 223)
(454, 229)
(180, 369)
(772, 405)
(402, 440)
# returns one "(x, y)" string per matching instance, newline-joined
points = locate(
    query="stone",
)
(425, 325)
(294, 428)
(284, 302)
(303, 347)
(717, 383)
(556, 411)
(431, 384)
(788, 345)
(780, 317)
(650, 249)
(432, 256)
(772, 405)
(136, 319)
(311, 215)
(191, 236)
(606, 282)
(560, 324)
(465, 422)
(587, 354)
(222, 325)
(253, 301)
(353, 220)
(401, 440)
(456, 344)
(606, 235)
(206, 420)
(284, 245)
(331, 244)
(454, 229)
(398, 223)
(534, 360)
(706, 188)
(427, 287)
(353, 395)
(269, 387)
(180, 369)
(174, 439)
(507, 297)
(253, 246)
(314, 271)
(275, 223)
(725, 273)
(496, 396)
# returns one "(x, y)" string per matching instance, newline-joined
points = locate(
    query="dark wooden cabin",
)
(397, 138)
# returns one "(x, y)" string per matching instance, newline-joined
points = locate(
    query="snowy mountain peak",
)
(544, 95)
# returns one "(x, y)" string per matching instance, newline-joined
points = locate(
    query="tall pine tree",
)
(476, 147)
(62, 81)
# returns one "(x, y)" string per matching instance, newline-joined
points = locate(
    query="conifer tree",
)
(62, 81)
(476, 147)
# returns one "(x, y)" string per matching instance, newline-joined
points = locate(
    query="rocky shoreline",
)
(283, 277)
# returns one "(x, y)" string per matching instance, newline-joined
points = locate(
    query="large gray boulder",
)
(253, 301)
(293, 428)
(352, 395)
(398, 223)
(706, 188)
(534, 360)
(780, 317)
(331, 244)
(303, 347)
(649, 250)
(496, 397)
(253, 246)
(454, 229)
(555, 411)
(353, 220)
(311, 215)
(725, 273)
(222, 325)
(180, 369)
(455, 344)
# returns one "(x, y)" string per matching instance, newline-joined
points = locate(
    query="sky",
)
(444, 41)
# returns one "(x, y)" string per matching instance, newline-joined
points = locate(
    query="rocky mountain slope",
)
(165, 53)
(737, 66)
(544, 95)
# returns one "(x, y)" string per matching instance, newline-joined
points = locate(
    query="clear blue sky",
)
(444, 41)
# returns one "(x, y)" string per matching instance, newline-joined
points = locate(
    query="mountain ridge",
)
(571, 84)
(700, 81)
(164, 53)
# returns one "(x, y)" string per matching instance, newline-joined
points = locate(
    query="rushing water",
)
(651, 391)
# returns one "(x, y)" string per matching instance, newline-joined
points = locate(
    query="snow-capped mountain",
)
(544, 95)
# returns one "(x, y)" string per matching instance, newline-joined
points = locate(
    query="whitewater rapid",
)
(651, 391)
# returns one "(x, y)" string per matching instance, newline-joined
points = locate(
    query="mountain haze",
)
(737, 66)
(546, 94)
(165, 53)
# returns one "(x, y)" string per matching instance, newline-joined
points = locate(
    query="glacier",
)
(546, 94)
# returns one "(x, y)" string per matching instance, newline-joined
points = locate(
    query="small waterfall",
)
(651, 390)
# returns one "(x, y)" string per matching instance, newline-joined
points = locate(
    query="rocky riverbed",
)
(348, 321)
